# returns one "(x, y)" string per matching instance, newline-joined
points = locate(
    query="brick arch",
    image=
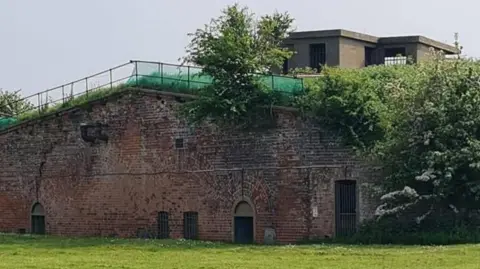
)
(241, 200)
(243, 209)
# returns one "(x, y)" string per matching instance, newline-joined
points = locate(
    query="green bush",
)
(395, 232)
(361, 104)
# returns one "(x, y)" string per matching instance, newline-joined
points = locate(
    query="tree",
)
(12, 104)
(432, 158)
(235, 49)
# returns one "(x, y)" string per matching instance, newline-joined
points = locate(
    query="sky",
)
(47, 43)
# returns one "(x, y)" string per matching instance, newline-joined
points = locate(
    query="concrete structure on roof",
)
(355, 50)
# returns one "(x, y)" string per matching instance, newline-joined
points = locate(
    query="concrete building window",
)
(395, 56)
(243, 224)
(345, 207)
(285, 67)
(286, 62)
(190, 225)
(317, 56)
(163, 227)
(369, 56)
(38, 219)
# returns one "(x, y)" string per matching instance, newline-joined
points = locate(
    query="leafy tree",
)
(432, 159)
(12, 104)
(235, 49)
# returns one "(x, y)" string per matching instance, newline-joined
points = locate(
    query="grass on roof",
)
(166, 82)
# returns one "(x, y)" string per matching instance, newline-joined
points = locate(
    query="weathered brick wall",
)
(116, 187)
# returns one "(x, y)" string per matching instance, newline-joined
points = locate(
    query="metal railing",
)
(402, 60)
(60, 95)
(145, 74)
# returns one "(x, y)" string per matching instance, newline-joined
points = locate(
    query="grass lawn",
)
(52, 252)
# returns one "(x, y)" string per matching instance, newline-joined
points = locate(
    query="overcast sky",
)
(45, 43)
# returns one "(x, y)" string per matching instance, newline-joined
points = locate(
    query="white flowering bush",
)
(432, 154)
(421, 123)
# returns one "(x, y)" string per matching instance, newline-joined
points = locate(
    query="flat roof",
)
(373, 39)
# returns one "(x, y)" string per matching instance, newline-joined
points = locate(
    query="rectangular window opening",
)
(395, 56)
(285, 67)
(286, 62)
(317, 56)
(369, 60)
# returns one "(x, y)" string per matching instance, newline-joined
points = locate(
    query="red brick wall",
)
(116, 187)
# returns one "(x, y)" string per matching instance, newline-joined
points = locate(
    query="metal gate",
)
(345, 207)
(163, 229)
(190, 225)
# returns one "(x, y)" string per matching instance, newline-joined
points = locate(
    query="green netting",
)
(189, 78)
(5, 122)
(185, 79)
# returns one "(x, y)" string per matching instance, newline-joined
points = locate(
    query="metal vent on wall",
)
(179, 143)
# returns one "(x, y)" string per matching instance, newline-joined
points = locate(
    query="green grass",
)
(18, 251)
(75, 101)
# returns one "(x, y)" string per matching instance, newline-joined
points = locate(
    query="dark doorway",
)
(345, 208)
(244, 230)
(38, 219)
(243, 224)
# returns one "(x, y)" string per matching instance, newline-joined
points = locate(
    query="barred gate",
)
(190, 225)
(163, 229)
(345, 207)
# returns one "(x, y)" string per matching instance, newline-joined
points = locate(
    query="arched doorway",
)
(243, 224)
(38, 219)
